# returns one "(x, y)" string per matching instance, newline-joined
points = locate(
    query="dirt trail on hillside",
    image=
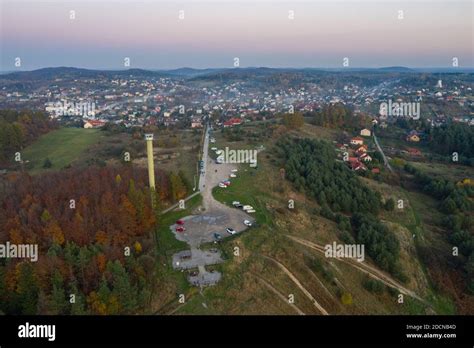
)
(279, 294)
(364, 267)
(297, 282)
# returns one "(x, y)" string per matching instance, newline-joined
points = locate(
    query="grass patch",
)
(62, 147)
(243, 190)
(166, 240)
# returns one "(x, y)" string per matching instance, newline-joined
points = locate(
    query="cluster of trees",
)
(179, 186)
(93, 230)
(20, 128)
(341, 117)
(381, 244)
(456, 202)
(312, 167)
(454, 137)
(294, 120)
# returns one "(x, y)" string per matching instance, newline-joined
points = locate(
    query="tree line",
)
(20, 128)
(339, 116)
(454, 137)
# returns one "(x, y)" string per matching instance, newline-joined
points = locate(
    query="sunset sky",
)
(212, 33)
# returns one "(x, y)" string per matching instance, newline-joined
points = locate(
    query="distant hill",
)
(70, 72)
(190, 72)
(396, 69)
(208, 73)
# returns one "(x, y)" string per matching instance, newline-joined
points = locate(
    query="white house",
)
(365, 132)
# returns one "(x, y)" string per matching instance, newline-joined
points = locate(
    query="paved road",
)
(205, 151)
(385, 160)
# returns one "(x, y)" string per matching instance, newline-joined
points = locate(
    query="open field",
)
(62, 147)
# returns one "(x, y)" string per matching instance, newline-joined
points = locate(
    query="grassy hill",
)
(61, 147)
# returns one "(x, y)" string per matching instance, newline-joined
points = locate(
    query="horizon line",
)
(242, 67)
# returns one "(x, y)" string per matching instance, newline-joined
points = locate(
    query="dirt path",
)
(321, 284)
(298, 284)
(279, 294)
(364, 267)
(385, 160)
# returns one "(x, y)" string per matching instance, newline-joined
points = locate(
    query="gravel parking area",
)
(199, 229)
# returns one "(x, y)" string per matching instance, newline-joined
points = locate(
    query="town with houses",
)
(136, 99)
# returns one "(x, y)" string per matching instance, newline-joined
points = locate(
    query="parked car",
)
(222, 185)
(230, 230)
(247, 207)
(233, 175)
(235, 203)
(247, 223)
(217, 236)
(250, 211)
(234, 170)
(226, 182)
(240, 206)
(180, 229)
(179, 222)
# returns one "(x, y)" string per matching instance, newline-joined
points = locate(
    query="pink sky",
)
(212, 33)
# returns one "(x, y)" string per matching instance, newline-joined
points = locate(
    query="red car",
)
(180, 222)
(180, 229)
